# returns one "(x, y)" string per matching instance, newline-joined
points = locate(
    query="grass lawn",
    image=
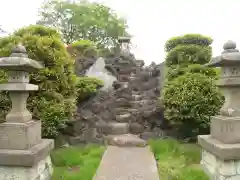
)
(177, 161)
(76, 163)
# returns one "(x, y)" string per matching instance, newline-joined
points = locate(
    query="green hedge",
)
(55, 101)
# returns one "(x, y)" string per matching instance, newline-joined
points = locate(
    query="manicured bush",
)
(189, 102)
(55, 101)
(188, 49)
(183, 96)
(175, 71)
(188, 39)
(189, 54)
(86, 87)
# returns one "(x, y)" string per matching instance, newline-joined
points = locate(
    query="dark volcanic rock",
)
(136, 128)
(133, 100)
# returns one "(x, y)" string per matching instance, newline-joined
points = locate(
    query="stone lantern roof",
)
(19, 61)
(229, 57)
(124, 39)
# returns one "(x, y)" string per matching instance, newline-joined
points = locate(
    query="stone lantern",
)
(124, 42)
(23, 153)
(221, 149)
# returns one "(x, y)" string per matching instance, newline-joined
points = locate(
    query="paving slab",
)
(127, 163)
(126, 140)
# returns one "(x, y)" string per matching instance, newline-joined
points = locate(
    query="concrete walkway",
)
(127, 163)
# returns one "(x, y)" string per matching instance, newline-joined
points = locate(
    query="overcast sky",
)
(151, 22)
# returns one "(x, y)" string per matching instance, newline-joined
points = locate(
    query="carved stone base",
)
(219, 149)
(218, 169)
(220, 161)
(26, 158)
(20, 136)
(41, 171)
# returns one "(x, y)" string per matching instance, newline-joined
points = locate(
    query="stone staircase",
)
(119, 132)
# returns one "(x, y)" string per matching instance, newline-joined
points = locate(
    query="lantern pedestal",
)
(32, 164)
(24, 155)
(219, 160)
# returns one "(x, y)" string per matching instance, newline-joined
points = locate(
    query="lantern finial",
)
(229, 45)
(19, 51)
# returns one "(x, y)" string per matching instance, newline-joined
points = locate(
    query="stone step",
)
(138, 103)
(136, 97)
(123, 102)
(115, 128)
(125, 140)
(133, 111)
(123, 118)
(136, 93)
(121, 111)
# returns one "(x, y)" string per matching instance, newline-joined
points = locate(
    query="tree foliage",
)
(83, 20)
(83, 48)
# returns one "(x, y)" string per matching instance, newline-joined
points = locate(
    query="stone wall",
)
(133, 100)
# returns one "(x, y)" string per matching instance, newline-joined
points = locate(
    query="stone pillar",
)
(221, 149)
(24, 155)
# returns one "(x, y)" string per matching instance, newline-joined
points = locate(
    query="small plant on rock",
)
(87, 86)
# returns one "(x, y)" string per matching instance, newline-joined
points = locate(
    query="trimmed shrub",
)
(175, 71)
(55, 101)
(187, 39)
(86, 87)
(189, 94)
(189, 54)
(189, 101)
(188, 49)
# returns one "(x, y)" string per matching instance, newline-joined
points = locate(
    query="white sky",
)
(151, 22)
